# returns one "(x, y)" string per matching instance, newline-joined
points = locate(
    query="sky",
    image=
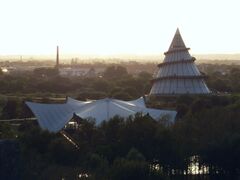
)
(114, 27)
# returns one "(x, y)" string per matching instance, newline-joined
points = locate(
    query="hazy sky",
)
(108, 27)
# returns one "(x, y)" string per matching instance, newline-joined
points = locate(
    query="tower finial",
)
(177, 31)
(177, 42)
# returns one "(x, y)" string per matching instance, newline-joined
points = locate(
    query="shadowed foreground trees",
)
(106, 152)
(140, 147)
(9, 159)
(207, 127)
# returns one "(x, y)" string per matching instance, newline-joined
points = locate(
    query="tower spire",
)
(177, 43)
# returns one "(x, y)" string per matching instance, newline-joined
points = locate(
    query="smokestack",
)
(57, 58)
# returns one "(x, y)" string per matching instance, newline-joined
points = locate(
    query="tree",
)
(122, 95)
(145, 75)
(112, 72)
(101, 85)
(46, 72)
(98, 166)
(9, 111)
(133, 166)
(25, 111)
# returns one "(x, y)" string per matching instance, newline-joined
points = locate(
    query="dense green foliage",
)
(207, 128)
(223, 78)
(115, 82)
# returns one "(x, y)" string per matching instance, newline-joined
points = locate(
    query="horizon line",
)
(112, 55)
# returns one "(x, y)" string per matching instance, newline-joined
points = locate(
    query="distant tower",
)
(57, 58)
(178, 73)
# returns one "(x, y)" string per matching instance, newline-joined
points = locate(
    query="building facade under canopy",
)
(53, 117)
(178, 73)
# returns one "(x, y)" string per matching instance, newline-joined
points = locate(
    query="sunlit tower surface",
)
(178, 74)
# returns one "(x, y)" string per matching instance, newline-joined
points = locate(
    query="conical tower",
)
(178, 73)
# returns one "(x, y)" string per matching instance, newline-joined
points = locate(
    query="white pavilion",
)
(53, 117)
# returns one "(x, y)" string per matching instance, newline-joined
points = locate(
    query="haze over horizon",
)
(117, 27)
(66, 58)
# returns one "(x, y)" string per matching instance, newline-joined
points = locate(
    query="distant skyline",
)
(115, 27)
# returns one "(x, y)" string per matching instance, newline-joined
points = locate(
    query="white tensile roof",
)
(178, 73)
(53, 117)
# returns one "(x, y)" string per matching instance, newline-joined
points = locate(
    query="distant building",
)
(80, 71)
(178, 73)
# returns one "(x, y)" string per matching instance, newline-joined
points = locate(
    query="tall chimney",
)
(57, 58)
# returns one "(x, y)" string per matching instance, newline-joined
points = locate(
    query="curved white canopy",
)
(54, 117)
